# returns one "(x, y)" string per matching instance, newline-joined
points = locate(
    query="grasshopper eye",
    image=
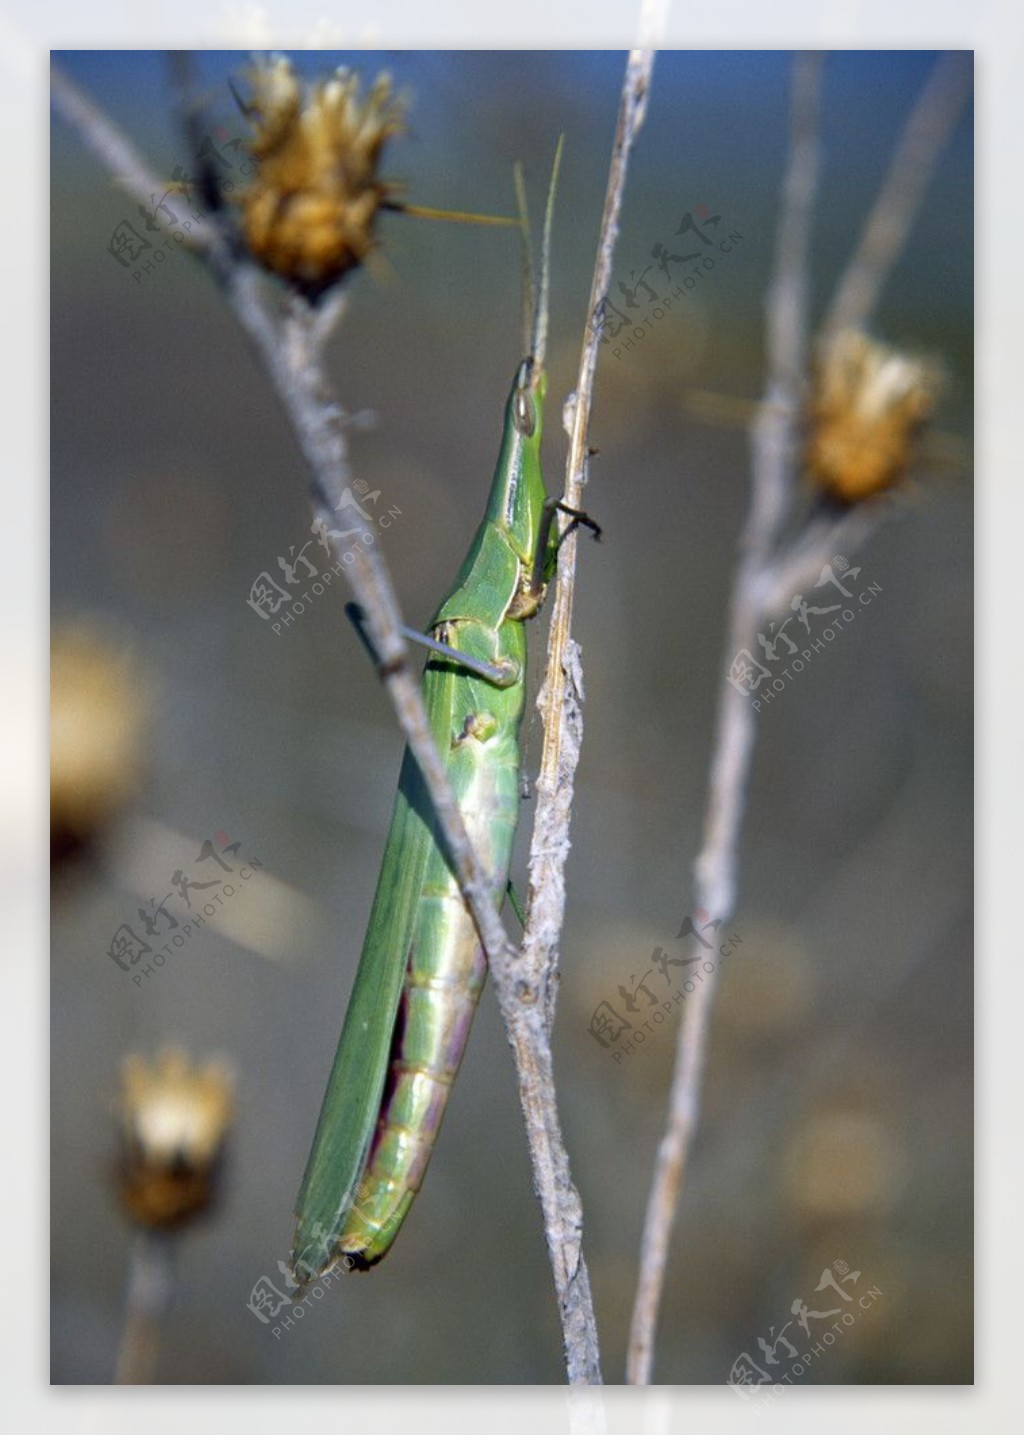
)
(524, 413)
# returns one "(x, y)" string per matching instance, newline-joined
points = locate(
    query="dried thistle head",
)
(309, 213)
(867, 406)
(174, 1122)
(100, 701)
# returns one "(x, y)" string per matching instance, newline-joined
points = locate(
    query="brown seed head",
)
(99, 720)
(867, 406)
(309, 213)
(174, 1121)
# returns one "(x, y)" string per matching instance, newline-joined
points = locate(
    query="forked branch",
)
(770, 569)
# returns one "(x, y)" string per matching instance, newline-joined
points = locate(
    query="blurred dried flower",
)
(867, 405)
(843, 1163)
(174, 1122)
(309, 213)
(772, 991)
(99, 712)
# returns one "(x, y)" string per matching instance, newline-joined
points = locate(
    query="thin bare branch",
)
(786, 315)
(715, 871)
(913, 162)
(560, 703)
(150, 1289)
(115, 152)
(561, 696)
(770, 571)
(803, 562)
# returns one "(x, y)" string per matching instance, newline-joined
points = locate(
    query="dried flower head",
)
(99, 716)
(309, 213)
(867, 406)
(174, 1121)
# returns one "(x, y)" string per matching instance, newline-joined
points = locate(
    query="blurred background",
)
(837, 1122)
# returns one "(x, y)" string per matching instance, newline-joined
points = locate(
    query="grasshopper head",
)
(517, 495)
(526, 401)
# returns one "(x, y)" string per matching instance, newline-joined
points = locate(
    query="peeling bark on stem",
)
(560, 703)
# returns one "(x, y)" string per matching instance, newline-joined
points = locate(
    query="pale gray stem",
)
(786, 316)
(769, 572)
(715, 886)
(115, 152)
(802, 563)
(560, 703)
(910, 170)
(773, 440)
(150, 1290)
(561, 697)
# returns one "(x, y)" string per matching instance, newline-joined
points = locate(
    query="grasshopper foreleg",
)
(545, 556)
(501, 675)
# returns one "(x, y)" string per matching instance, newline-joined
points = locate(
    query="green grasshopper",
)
(422, 968)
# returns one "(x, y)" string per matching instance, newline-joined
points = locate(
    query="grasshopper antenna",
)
(540, 317)
(454, 216)
(526, 256)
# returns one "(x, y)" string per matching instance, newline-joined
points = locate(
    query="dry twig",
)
(715, 870)
(769, 572)
(150, 1286)
(559, 702)
(930, 125)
